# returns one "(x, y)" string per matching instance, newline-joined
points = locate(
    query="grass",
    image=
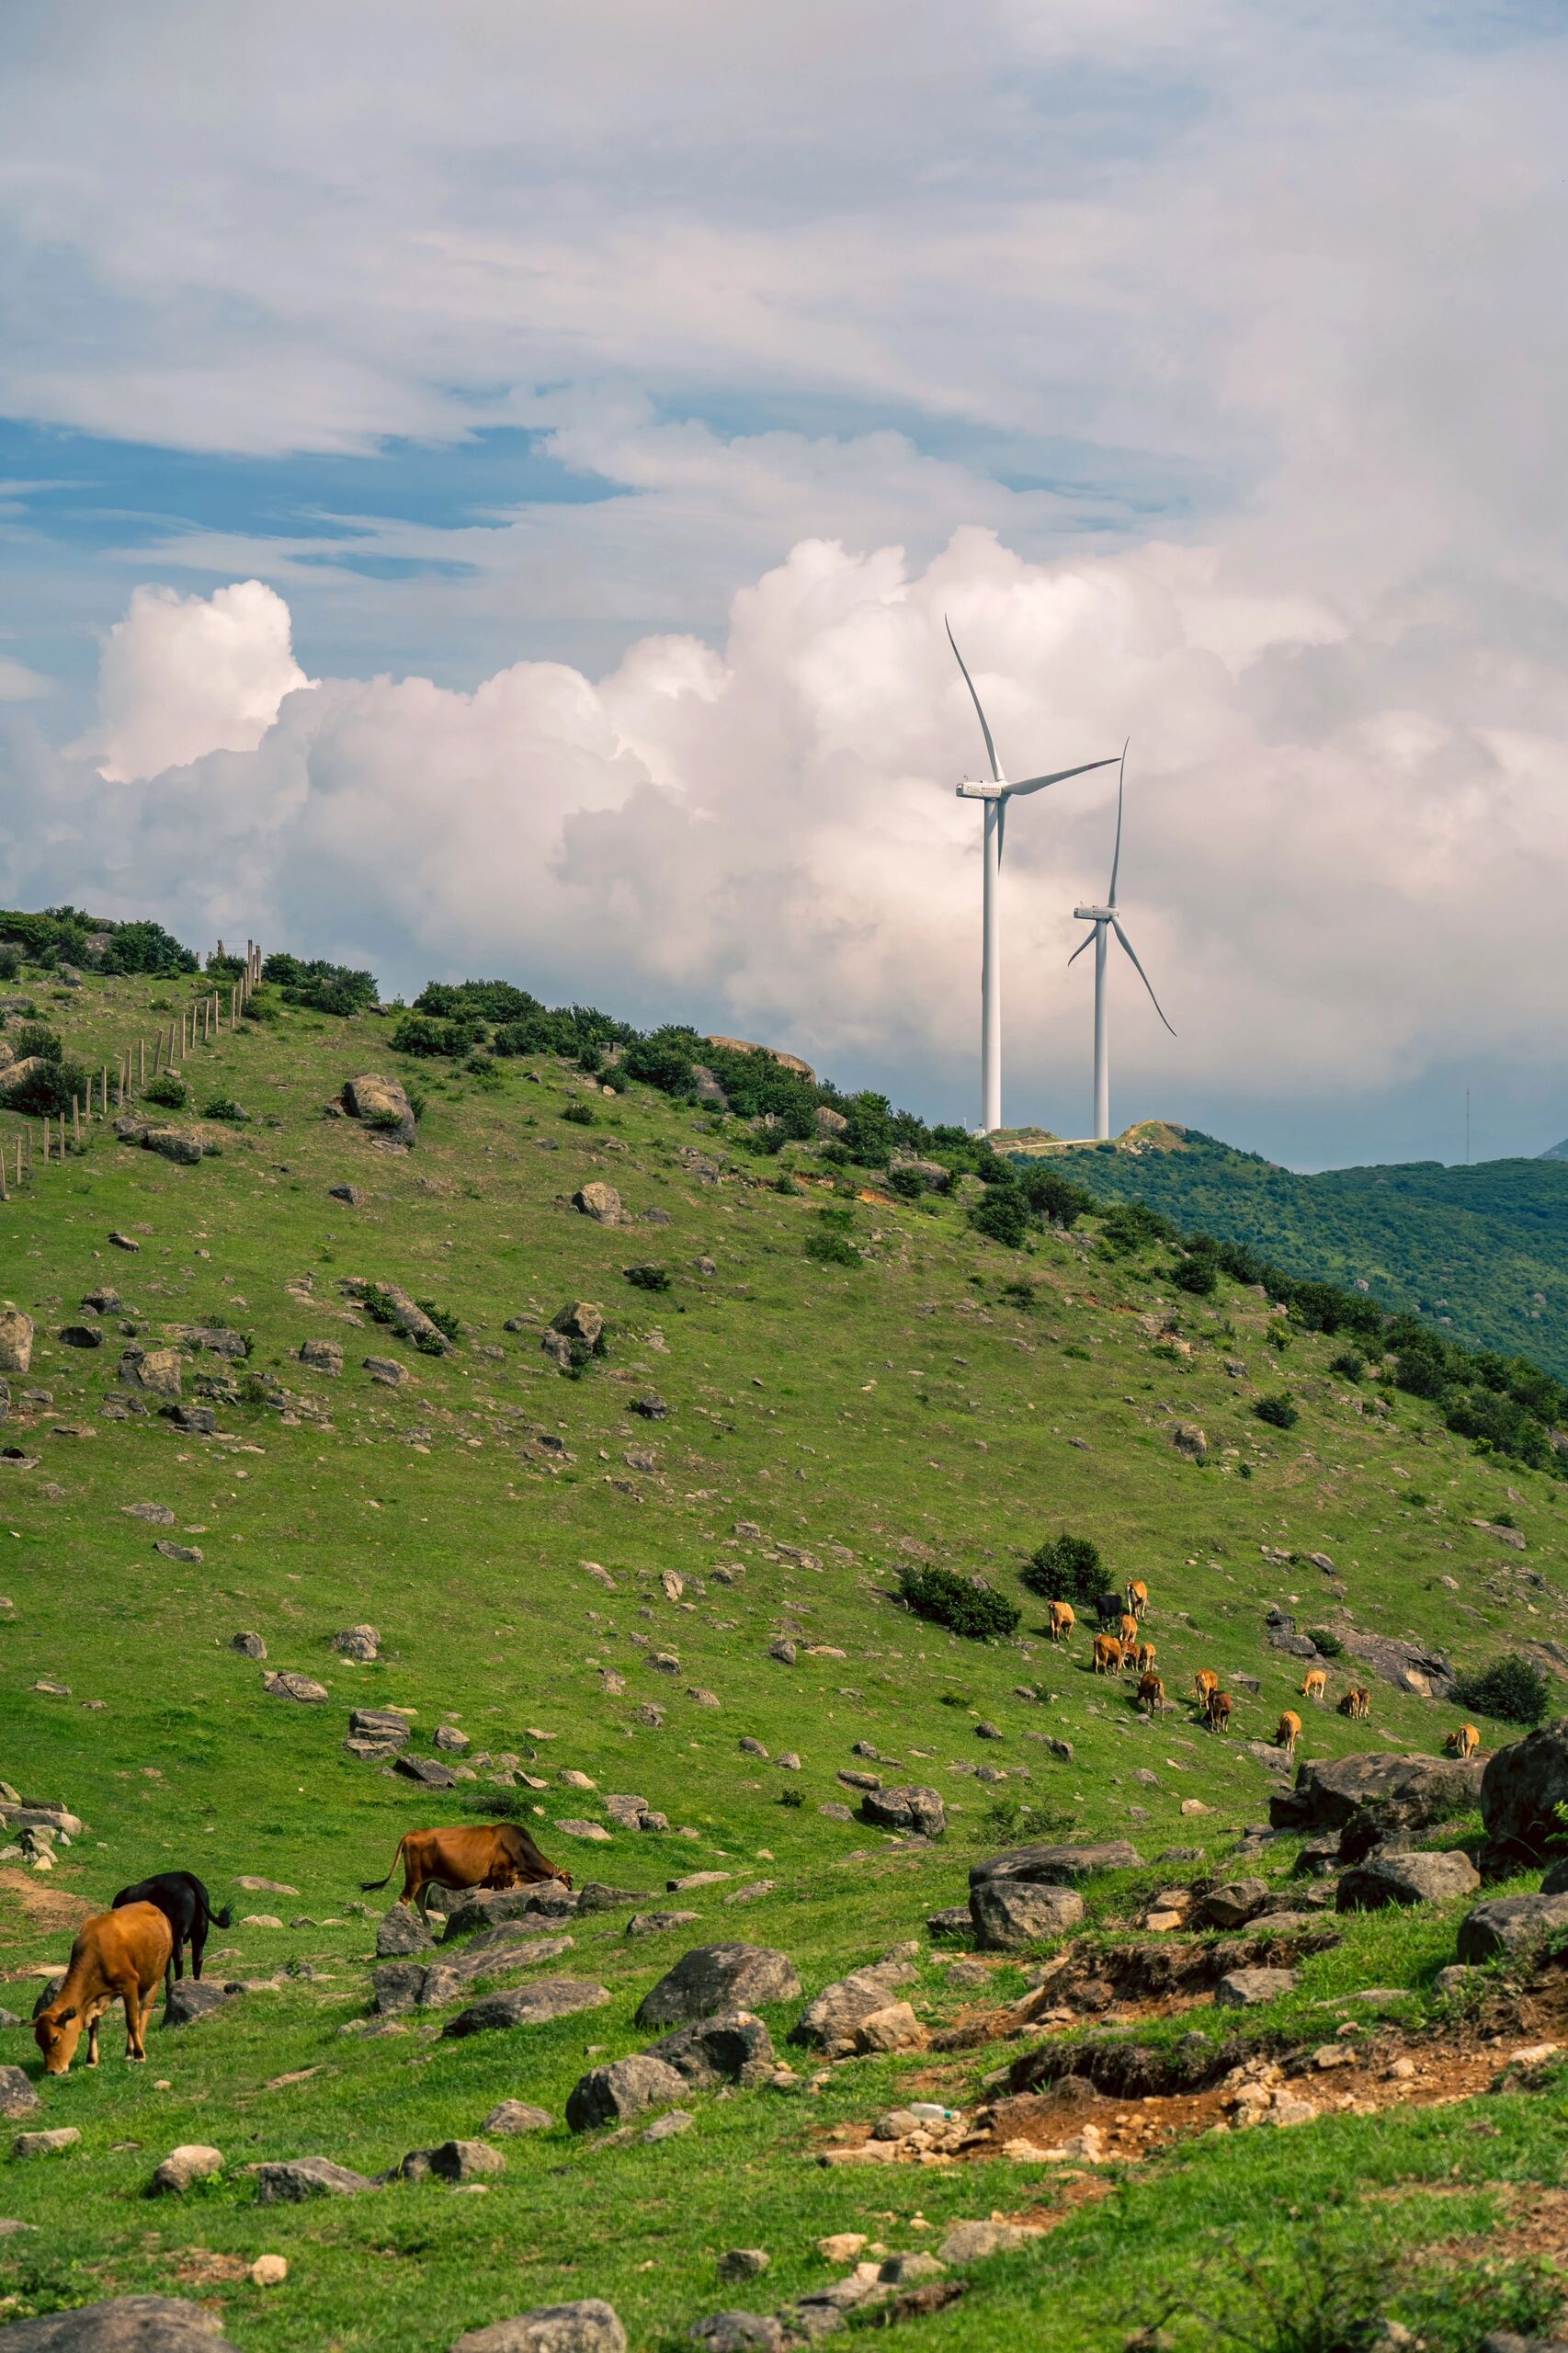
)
(913, 1403)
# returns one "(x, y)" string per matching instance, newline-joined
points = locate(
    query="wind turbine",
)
(996, 795)
(1105, 919)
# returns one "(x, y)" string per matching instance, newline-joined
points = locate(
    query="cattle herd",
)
(121, 1955)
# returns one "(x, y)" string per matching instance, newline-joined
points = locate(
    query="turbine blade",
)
(1088, 942)
(1140, 973)
(1120, 782)
(990, 746)
(1038, 783)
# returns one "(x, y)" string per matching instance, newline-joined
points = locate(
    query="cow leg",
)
(197, 1947)
(93, 2041)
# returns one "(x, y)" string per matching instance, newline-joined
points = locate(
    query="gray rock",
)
(402, 1932)
(1247, 1989)
(360, 1642)
(587, 2327)
(953, 1920)
(397, 1987)
(625, 2088)
(300, 1688)
(16, 1340)
(247, 1645)
(1232, 1905)
(1011, 1914)
(1382, 1880)
(514, 2116)
(715, 1978)
(322, 1355)
(378, 1724)
(190, 2163)
(649, 1923)
(124, 2325)
(550, 1997)
(190, 1999)
(740, 2332)
(908, 1808)
(382, 1103)
(1521, 1788)
(1063, 1866)
(18, 2097)
(485, 1907)
(601, 1202)
(291, 2183)
(452, 2161)
(974, 2242)
(1330, 1790)
(46, 2144)
(1510, 1927)
(829, 2022)
(428, 1771)
(734, 2048)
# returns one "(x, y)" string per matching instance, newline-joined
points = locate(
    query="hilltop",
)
(620, 1413)
(1480, 1252)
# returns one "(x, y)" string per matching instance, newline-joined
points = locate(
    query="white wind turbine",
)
(996, 795)
(1105, 919)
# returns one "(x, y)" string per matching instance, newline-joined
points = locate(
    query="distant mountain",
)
(1481, 1251)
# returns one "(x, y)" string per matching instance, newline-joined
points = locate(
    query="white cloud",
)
(19, 684)
(182, 675)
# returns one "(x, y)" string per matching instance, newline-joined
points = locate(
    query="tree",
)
(1067, 1568)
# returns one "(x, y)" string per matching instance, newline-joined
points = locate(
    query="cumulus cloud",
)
(181, 675)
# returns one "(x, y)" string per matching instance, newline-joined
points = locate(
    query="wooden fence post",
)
(140, 1061)
(76, 1118)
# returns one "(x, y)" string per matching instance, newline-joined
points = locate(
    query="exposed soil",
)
(45, 1905)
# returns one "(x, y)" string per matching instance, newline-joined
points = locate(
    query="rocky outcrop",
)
(1330, 1791)
(712, 1979)
(1511, 1926)
(124, 2325)
(625, 2088)
(1009, 1915)
(775, 1054)
(1521, 1789)
(601, 1202)
(1384, 1880)
(831, 2021)
(1057, 1866)
(16, 1340)
(382, 1105)
(1409, 1667)
(401, 1312)
(733, 2048)
(587, 2327)
(918, 1812)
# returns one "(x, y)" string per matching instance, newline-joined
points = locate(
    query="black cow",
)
(1108, 1608)
(186, 1904)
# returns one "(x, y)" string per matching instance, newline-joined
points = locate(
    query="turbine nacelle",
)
(1095, 915)
(970, 788)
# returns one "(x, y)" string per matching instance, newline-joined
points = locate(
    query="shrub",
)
(260, 1006)
(1197, 1274)
(581, 1115)
(321, 986)
(38, 1038)
(1348, 1365)
(648, 1278)
(1067, 1568)
(1278, 1411)
(165, 1088)
(1054, 1198)
(48, 1091)
(1131, 1225)
(1328, 1644)
(965, 1606)
(442, 1317)
(10, 960)
(1015, 1822)
(416, 1033)
(907, 1183)
(791, 1797)
(145, 948)
(1003, 1215)
(1512, 1689)
(223, 1107)
(830, 1248)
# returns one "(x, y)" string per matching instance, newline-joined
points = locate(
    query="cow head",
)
(57, 2032)
(566, 1878)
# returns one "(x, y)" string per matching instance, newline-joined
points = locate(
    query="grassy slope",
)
(835, 1409)
(1483, 1249)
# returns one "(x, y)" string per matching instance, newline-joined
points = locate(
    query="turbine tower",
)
(996, 795)
(1105, 919)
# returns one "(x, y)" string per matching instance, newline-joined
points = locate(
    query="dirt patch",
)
(201, 2267)
(44, 1906)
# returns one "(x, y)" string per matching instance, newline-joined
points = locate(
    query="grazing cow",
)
(1107, 1610)
(1152, 1695)
(1288, 1732)
(1357, 1704)
(1128, 1631)
(1063, 1621)
(1463, 1743)
(1146, 1655)
(1137, 1596)
(1205, 1681)
(1315, 1683)
(186, 1905)
(1219, 1710)
(493, 1853)
(1108, 1654)
(118, 1957)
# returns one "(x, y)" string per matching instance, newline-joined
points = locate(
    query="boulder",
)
(829, 2022)
(1247, 1989)
(249, 1645)
(322, 1355)
(625, 2088)
(452, 2161)
(1510, 1927)
(734, 2048)
(352, 1194)
(1409, 1667)
(181, 1146)
(587, 2327)
(1330, 1790)
(1057, 1866)
(362, 1643)
(289, 2184)
(404, 1314)
(908, 1808)
(514, 2116)
(428, 1771)
(740, 2332)
(302, 1687)
(190, 2163)
(550, 1997)
(16, 1340)
(402, 1932)
(1384, 1880)
(712, 1979)
(1009, 1915)
(190, 1999)
(18, 2097)
(489, 1908)
(601, 1202)
(382, 1103)
(153, 1373)
(378, 1723)
(1521, 1788)
(81, 1336)
(124, 2325)
(893, 2028)
(1232, 1905)
(975, 2242)
(45, 2144)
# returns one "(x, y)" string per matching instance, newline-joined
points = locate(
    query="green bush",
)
(1197, 1274)
(581, 1115)
(1002, 1214)
(38, 1038)
(416, 1033)
(48, 1090)
(442, 1317)
(223, 1107)
(830, 1248)
(1348, 1365)
(10, 960)
(1278, 1411)
(166, 1089)
(965, 1606)
(1513, 1689)
(1066, 1569)
(1326, 1642)
(319, 986)
(1131, 1225)
(648, 1278)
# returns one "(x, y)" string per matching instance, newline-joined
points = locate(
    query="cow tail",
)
(367, 1886)
(224, 1919)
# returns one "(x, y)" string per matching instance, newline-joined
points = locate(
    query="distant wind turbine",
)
(996, 795)
(1105, 919)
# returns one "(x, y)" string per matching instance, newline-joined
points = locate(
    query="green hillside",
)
(658, 1567)
(1481, 1252)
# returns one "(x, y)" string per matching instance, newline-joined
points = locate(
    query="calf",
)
(1152, 1695)
(1219, 1710)
(1128, 1631)
(1137, 1594)
(1315, 1683)
(1463, 1743)
(1204, 1682)
(186, 1905)
(1108, 1654)
(1063, 1621)
(494, 1854)
(1145, 1658)
(1357, 1704)
(1288, 1732)
(118, 1957)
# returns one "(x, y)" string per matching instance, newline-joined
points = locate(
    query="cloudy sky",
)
(480, 489)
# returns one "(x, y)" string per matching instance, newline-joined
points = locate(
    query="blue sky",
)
(608, 410)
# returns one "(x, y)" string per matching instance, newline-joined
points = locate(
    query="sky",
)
(481, 491)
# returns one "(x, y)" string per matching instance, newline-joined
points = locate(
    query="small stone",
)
(514, 2116)
(1247, 1989)
(841, 2246)
(269, 2272)
(191, 2162)
(247, 1645)
(743, 2263)
(45, 2144)
(973, 2242)
(301, 2177)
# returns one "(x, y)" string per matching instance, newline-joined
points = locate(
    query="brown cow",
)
(1288, 1732)
(1463, 1743)
(1204, 1682)
(1128, 1630)
(118, 1957)
(1063, 1621)
(1315, 1683)
(1137, 1596)
(492, 1854)
(1146, 1657)
(1152, 1695)
(1108, 1654)
(1357, 1704)
(1219, 1710)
